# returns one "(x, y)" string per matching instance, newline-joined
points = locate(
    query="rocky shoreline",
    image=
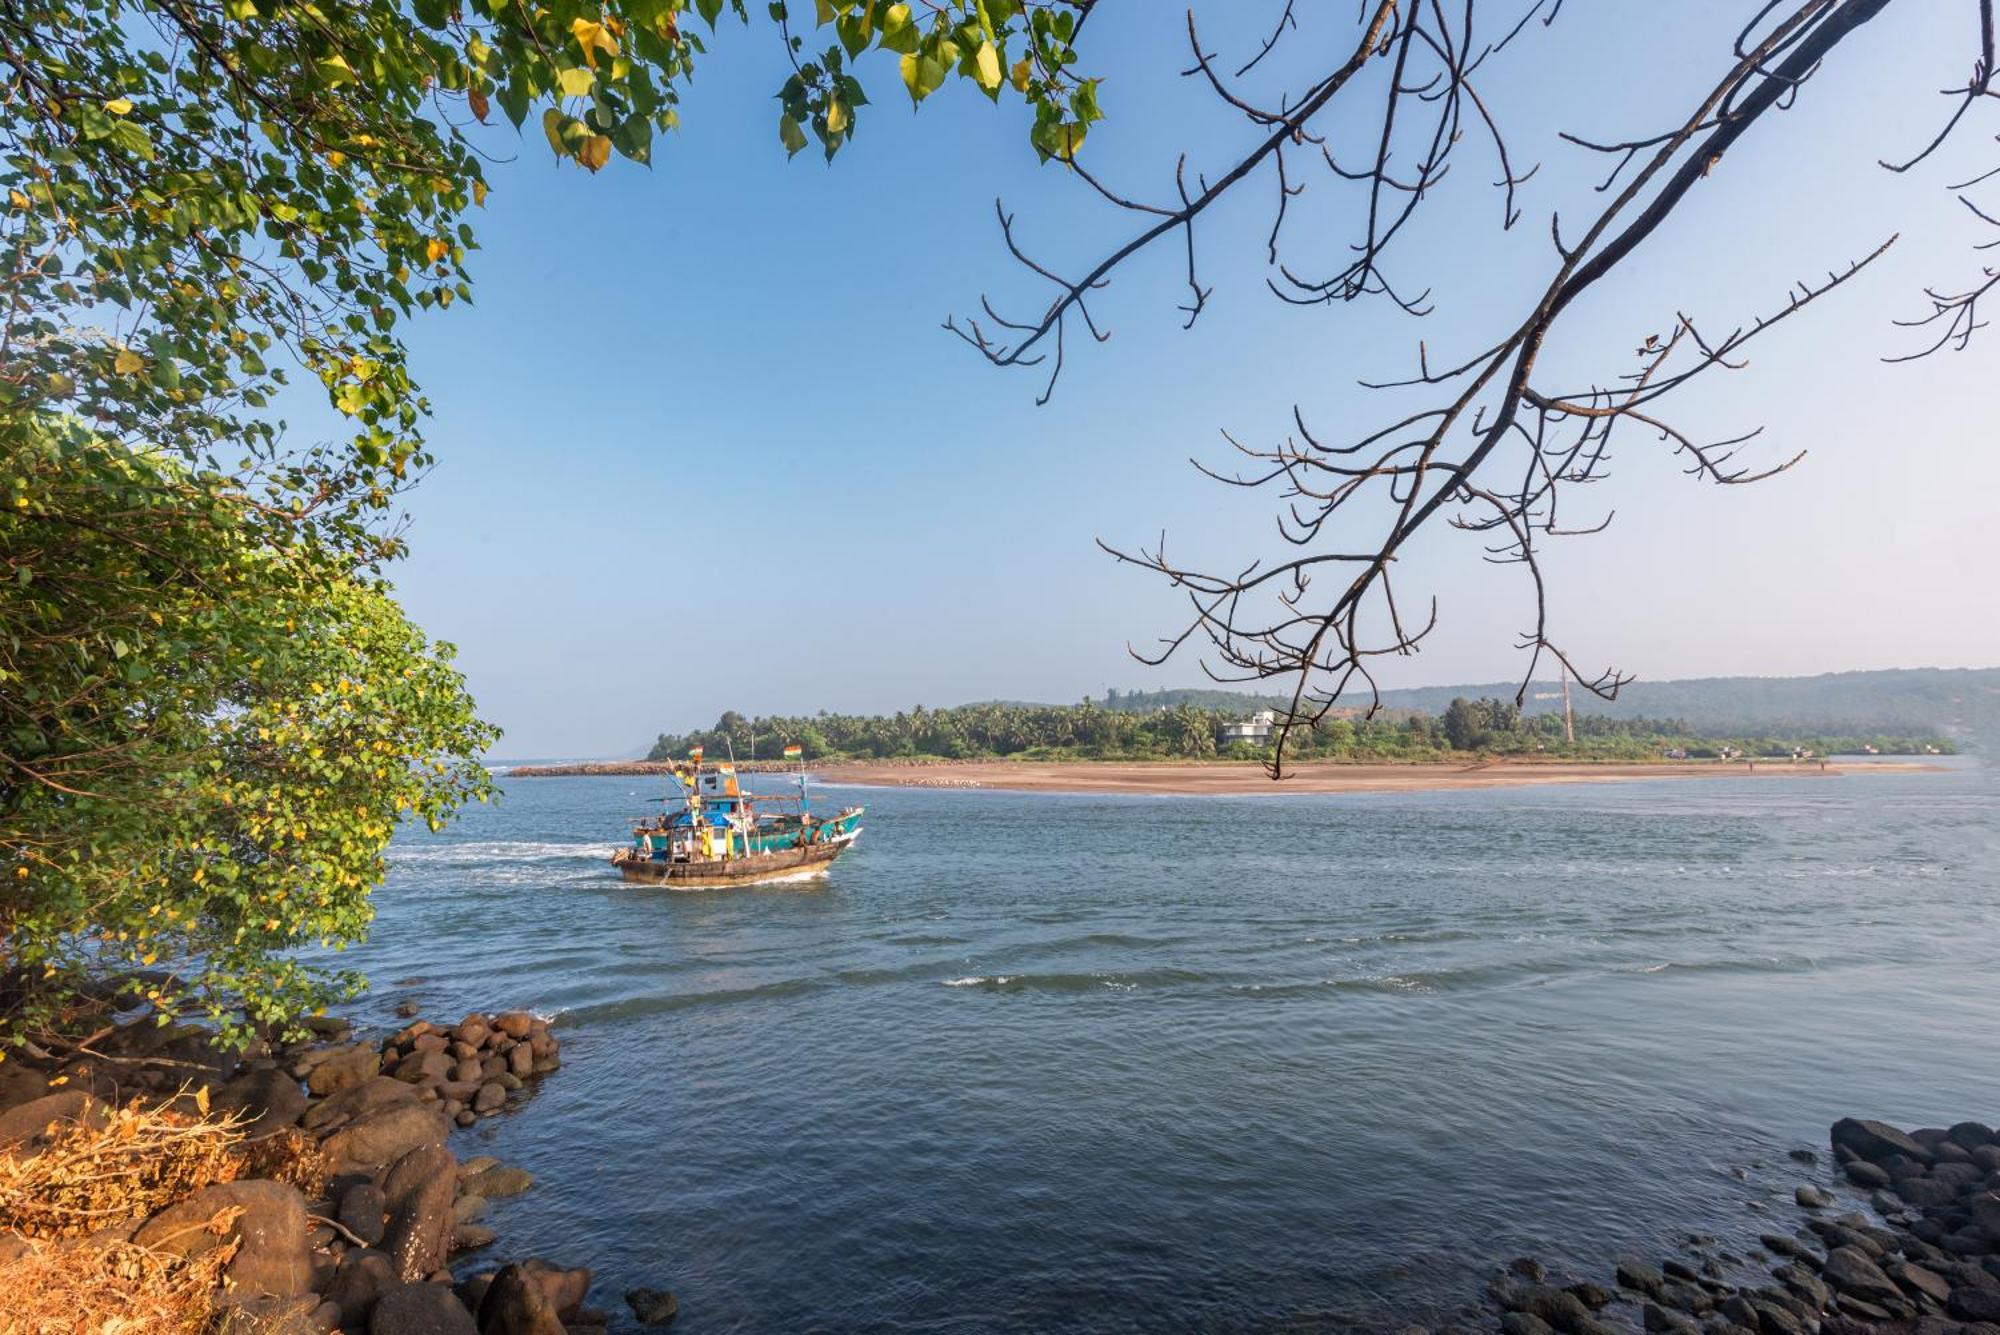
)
(339, 1205)
(1926, 1263)
(350, 1212)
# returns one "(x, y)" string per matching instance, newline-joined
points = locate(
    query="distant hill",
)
(1900, 700)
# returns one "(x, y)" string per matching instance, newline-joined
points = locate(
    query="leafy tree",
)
(209, 741)
(203, 199)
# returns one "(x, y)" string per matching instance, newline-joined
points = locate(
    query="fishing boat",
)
(724, 836)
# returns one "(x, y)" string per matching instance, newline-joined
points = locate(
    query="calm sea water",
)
(1087, 1063)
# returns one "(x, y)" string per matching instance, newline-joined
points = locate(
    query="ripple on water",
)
(1023, 1062)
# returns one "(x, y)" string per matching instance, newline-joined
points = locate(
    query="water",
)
(1064, 1063)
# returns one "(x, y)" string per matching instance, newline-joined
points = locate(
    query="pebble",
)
(1813, 1198)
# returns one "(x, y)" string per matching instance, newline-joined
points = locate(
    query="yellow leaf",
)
(127, 362)
(437, 249)
(594, 151)
(119, 106)
(1021, 72)
(201, 1099)
(986, 66)
(17, 199)
(837, 117)
(479, 193)
(576, 82)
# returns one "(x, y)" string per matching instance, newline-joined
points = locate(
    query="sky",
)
(703, 444)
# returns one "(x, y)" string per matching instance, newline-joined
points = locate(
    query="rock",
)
(1560, 1309)
(501, 1180)
(384, 1136)
(418, 1189)
(342, 1068)
(364, 1212)
(1780, 1245)
(478, 1163)
(514, 1024)
(271, 1099)
(1987, 1157)
(406, 1009)
(515, 1305)
(1966, 1242)
(1666, 1322)
(423, 1068)
(371, 1095)
(29, 1122)
(466, 1072)
(1951, 1152)
(1970, 1304)
(1687, 1297)
(1802, 1155)
(472, 1030)
(1915, 1279)
(1851, 1271)
(1528, 1268)
(471, 1237)
(1963, 1175)
(430, 1042)
(465, 1117)
(1986, 1213)
(1636, 1274)
(653, 1307)
(1804, 1283)
(421, 1309)
(490, 1096)
(1813, 1198)
(1877, 1140)
(564, 1288)
(1512, 1323)
(467, 1208)
(270, 1316)
(272, 1258)
(1593, 1296)
(1927, 1193)
(1864, 1174)
(521, 1061)
(364, 1276)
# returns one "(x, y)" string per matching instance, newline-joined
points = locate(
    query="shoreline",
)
(1238, 778)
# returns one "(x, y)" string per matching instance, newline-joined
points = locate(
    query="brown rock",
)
(514, 1024)
(565, 1289)
(31, 1120)
(500, 1180)
(271, 1099)
(515, 1305)
(423, 1068)
(491, 1095)
(471, 1237)
(467, 1071)
(364, 1212)
(272, 1258)
(342, 1068)
(521, 1060)
(384, 1136)
(473, 1030)
(421, 1309)
(433, 1042)
(419, 1189)
(371, 1095)
(364, 1276)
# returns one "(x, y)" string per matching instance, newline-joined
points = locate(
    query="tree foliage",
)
(1184, 731)
(209, 740)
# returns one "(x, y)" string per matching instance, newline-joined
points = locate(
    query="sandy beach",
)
(1167, 777)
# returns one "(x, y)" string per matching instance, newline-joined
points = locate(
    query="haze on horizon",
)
(704, 446)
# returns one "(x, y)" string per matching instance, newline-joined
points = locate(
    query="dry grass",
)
(290, 1156)
(88, 1176)
(115, 1289)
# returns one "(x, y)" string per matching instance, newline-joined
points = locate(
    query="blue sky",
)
(704, 445)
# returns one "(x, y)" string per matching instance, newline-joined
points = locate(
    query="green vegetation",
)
(1093, 731)
(212, 712)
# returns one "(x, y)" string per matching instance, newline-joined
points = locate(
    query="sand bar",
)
(1169, 777)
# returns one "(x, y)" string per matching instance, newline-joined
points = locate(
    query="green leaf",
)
(790, 135)
(922, 75)
(552, 126)
(709, 10)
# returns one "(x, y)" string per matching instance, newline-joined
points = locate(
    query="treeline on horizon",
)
(1095, 730)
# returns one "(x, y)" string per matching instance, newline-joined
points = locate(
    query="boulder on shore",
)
(272, 1258)
(421, 1309)
(418, 1190)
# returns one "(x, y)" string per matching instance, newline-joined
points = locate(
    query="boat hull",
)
(790, 864)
